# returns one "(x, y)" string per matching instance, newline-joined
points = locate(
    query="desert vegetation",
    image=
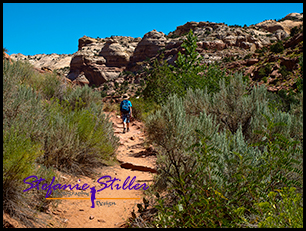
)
(230, 155)
(48, 126)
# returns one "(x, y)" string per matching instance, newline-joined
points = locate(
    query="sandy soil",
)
(112, 208)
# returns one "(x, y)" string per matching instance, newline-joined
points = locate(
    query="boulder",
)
(283, 24)
(270, 25)
(151, 43)
(48, 61)
(289, 24)
(289, 63)
(246, 45)
(114, 54)
(251, 62)
(93, 68)
(230, 40)
(184, 29)
(236, 64)
(294, 17)
(215, 44)
(240, 39)
(281, 34)
(275, 74)
(85, 41)
(80, 80)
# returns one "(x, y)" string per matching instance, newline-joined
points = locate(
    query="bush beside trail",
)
(224, 163)
(47, 126)
(229, 155)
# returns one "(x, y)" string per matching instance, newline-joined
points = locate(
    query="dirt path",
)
(134, 160)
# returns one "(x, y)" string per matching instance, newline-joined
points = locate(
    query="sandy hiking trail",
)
(112, 208)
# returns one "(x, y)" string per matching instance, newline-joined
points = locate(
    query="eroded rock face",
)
(115, 54)
(101, 60)
(285, 25)
(49, 61)
(149, 46)
(85, 40)
(93, 68)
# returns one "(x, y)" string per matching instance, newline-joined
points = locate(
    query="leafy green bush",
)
(265, 71)
(19, 154)
(294, 31)
(164, 79)
(284, 209)
(160, 83)
(283, 71)
(301, 63)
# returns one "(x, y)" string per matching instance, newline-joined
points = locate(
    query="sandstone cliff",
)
(100, 61)
(109, 57)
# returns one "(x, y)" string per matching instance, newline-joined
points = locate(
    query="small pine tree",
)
(190, 61)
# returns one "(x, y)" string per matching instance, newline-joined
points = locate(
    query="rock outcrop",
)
(100, 61)
(46, 61)
(93, 68)
(7, 57)
(285, 25)
(115, 54)
(149, 46)
(85, 40)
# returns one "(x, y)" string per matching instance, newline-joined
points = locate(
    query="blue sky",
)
(37, 28)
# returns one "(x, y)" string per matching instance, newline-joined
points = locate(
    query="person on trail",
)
(126, 112)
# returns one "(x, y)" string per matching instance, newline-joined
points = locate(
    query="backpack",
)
(125, 106)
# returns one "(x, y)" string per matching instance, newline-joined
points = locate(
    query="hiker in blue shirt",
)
(126, 112)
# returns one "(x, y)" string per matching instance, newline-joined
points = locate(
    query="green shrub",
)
(142, 108)
(19, 154)
(78, 140)
(284, 209)
(51, 87)
(219, 155)
(225, 179)
(68, 132)
(277, 47)
(294, 31)
(160, 83)
(19, 161)
(23, 127)
(301, 62)
(82, 97)
(19, 71)
(164, 79)
(283, 71)
(265, 71)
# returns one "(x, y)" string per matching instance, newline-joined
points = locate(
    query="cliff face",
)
(103, 60)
